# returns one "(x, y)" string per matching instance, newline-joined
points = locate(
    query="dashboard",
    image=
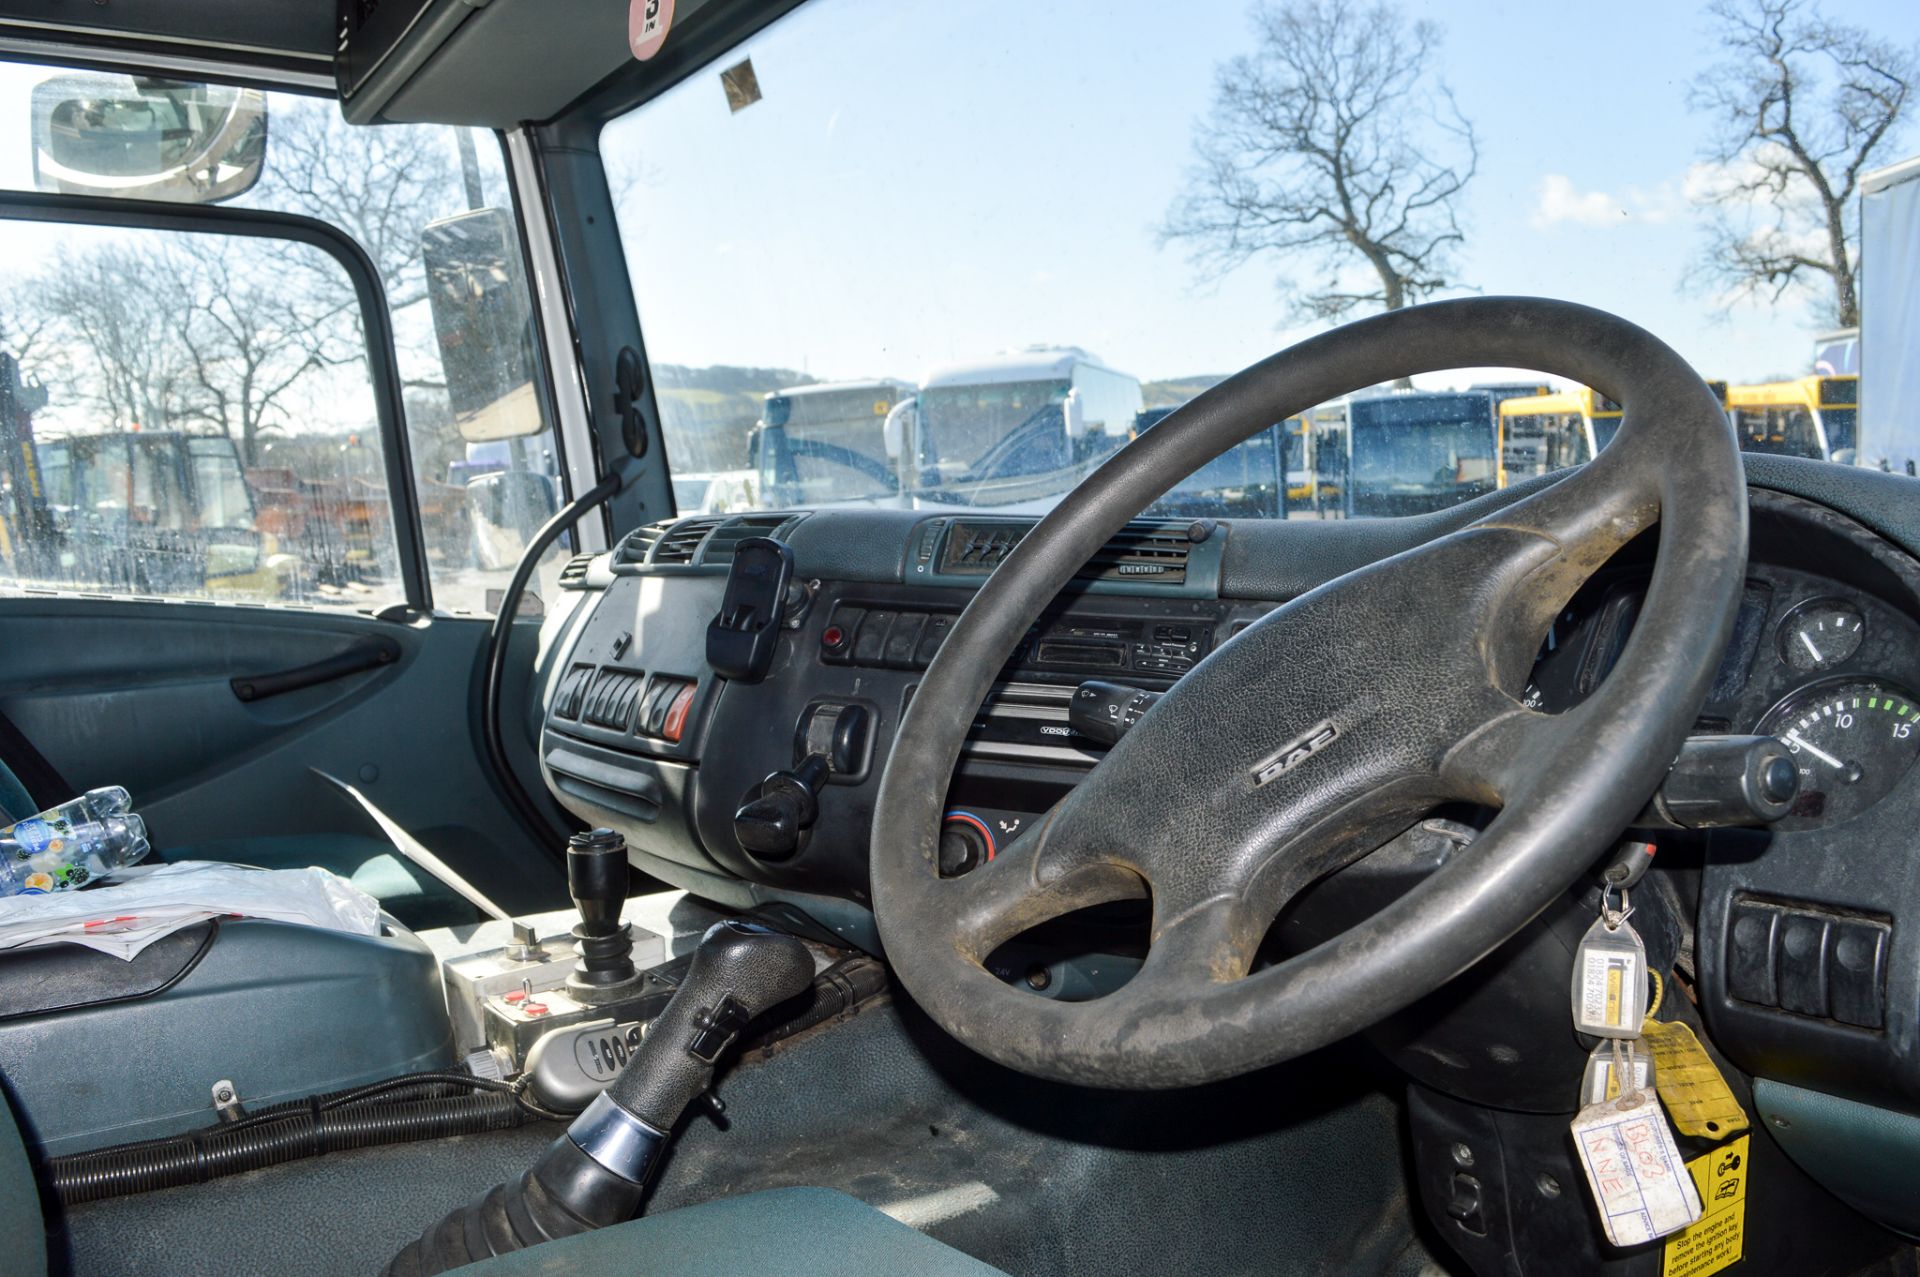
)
(1807, 934)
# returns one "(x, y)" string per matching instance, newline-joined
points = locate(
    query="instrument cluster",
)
(1825, 666)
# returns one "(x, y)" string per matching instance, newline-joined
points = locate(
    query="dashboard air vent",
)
(634, 548)
(721, 545)
(574, 575)
(679, 543)
(1142, 552)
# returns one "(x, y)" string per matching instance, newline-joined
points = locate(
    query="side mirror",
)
(504, 510)
(483, 319)
(136, 137)
(903, 419)
(1074, 413)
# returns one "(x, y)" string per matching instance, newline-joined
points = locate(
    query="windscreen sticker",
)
(1719, 1240)
(647, 24)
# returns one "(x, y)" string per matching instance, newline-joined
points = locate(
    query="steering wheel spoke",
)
(1029, 882)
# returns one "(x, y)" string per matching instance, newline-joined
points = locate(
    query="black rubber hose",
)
(270, 1138)
(740, 971)
(495, 658)
(565, 1193)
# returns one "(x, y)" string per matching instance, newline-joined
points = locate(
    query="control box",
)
(481, 965)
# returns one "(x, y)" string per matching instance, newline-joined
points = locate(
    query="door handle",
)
(369, 653)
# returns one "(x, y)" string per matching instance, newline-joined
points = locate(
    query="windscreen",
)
(1052, 224)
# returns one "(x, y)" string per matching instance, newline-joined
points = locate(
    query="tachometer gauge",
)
(1852, 740)
(1821, 634)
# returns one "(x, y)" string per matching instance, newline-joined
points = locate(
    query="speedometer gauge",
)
(1852, 740)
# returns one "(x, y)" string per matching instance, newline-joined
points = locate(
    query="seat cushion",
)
(403, 889)
(783, 1232)
(23, 1239)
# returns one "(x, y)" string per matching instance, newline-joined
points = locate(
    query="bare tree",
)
(111, 317)
(249, 341)
(240, 333)
(1803, 105)
(1334, 140)
(381, 185)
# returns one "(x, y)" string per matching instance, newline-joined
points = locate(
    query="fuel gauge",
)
(1820, 634)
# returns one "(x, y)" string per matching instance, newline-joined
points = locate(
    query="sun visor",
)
(490, 63)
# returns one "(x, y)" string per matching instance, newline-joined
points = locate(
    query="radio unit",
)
(907, 638)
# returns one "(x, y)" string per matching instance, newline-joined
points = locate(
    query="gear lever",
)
(593, 1175)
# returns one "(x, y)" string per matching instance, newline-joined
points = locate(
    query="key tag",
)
(1633, 1168)
(1610, 974)
(1611, 1061)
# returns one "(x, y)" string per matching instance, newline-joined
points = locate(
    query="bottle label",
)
(35, 836)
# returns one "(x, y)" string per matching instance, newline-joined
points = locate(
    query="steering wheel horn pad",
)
(1329, 725)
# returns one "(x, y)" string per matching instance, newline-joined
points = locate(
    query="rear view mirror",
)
(136, 137)
(484, 322)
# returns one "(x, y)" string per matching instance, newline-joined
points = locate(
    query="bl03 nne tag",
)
(1633, 1167)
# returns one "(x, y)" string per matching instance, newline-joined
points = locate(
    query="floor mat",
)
(1293, 1170)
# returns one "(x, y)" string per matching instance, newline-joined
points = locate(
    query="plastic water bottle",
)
(70, 845)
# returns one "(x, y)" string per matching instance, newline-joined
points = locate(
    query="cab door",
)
(271, 616)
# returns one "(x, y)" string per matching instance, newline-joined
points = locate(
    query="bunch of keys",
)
(1633, 1166)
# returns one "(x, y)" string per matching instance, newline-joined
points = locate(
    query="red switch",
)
(676, 720)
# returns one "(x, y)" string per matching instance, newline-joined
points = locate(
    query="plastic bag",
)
(124, 917)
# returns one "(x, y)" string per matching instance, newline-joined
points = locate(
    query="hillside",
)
(1174, 391)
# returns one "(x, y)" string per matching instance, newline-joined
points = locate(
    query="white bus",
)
(825, 444)
(1018, 427)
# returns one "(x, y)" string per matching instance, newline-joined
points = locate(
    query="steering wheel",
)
(1330, 725)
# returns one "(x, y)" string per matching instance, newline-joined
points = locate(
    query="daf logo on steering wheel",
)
(1296, 751)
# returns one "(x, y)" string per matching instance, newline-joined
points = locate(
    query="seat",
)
(404, 890)
(23, 1238)
(783, 1232)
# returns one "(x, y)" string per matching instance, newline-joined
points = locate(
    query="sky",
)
(931, 182)
(926, 182)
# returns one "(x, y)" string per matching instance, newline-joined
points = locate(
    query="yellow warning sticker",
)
(1719, 1240)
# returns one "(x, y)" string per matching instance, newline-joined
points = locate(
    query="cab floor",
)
(1295, 1170)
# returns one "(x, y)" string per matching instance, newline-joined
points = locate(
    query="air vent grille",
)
(1154, 552)
(1142, 552)
(634, 548)
(681, 541)
(574, 575)
(721, 545)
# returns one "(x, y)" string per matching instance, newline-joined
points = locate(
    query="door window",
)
(247, 356)
(181, 380)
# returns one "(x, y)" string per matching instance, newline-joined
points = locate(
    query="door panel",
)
(139, 694)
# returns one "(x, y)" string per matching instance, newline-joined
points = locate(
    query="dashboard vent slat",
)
(574, 575)
(720, 547)
(638, 542)
(1151, 552)
(682, 540)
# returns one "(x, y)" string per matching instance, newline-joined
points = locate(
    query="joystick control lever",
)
(597, 877)
(593, 1175)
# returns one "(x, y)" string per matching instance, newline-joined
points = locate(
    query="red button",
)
(518, 995)
(833, 636)
(535, 1008)
(676, 720)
